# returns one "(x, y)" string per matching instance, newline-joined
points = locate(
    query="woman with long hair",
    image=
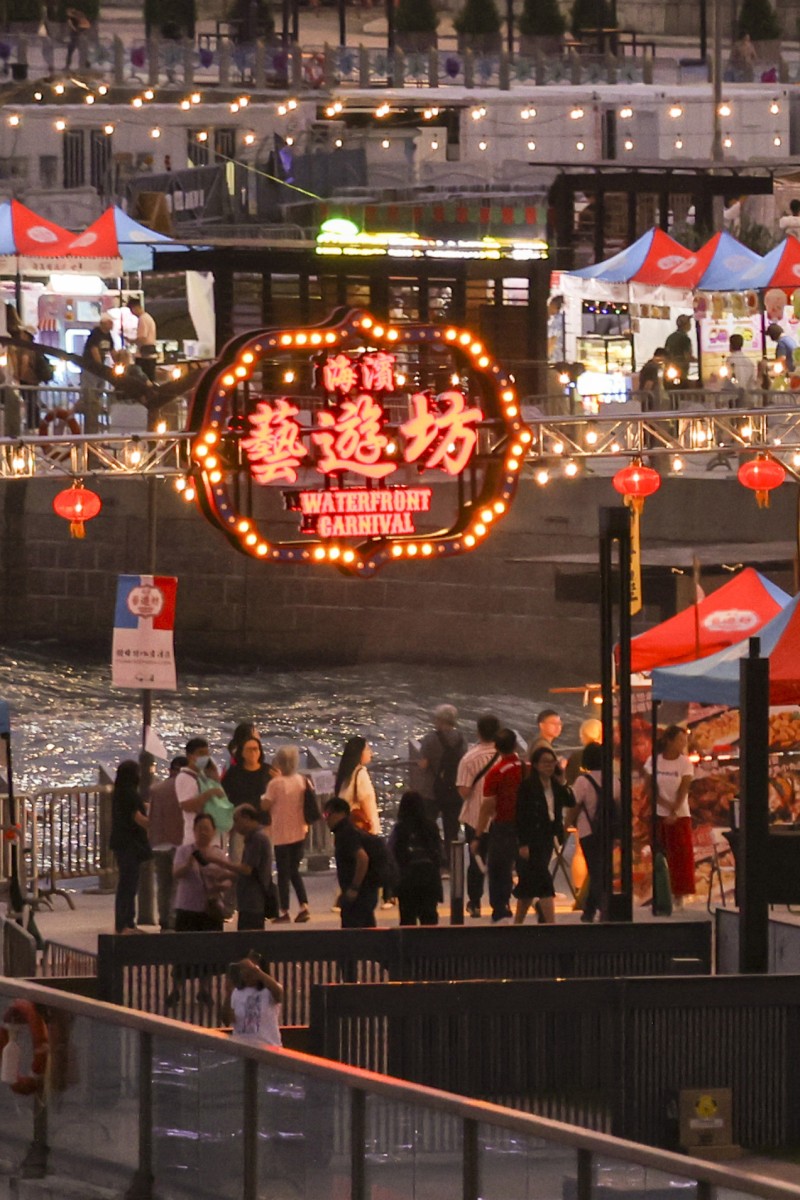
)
(354, 785)
(417, 849)
(128, 841)
(674, 774)
(243, 732)
(283, 800)
(541, 801)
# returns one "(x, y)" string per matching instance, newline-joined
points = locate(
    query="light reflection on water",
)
(66, 717)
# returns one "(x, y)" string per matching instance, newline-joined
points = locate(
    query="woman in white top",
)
(283, 800)
(354, 785)
(674, 775)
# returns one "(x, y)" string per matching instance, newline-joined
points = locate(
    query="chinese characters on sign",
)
(441, 433)
(142, 654)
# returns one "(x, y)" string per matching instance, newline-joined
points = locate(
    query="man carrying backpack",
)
(441, 751)
(358, 888)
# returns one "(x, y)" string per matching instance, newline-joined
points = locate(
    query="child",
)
(252, 1002)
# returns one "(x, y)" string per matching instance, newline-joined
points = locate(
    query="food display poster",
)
(714, 747)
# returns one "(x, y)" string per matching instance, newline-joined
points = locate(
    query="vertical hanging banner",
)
(636, 562)
(143, 654)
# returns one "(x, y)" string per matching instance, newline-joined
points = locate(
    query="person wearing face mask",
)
(188, 788)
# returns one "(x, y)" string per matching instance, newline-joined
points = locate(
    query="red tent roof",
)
(734, 611)
(99, 240)
(784, 664)
(780, 268)
(34, 235)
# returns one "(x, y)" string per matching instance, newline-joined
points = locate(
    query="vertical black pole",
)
(607, 709)
(145, 906)
(285, 22)
(510, 27)
(623, 902)
(457, 882)
(14, 887)
(141, 1186)
(342, 22)
(703, 30)
(390, 27)
(296, 21)
(753, 863)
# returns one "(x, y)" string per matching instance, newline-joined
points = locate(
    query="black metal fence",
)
(182, 974)
(608, 1054)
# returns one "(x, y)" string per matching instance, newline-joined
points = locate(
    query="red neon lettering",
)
(339, 374)
(446, 430)
(377, 372)
(352, 440)
(274, 447)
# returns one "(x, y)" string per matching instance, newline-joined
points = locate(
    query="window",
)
(74, 165)
(225, 143)
(196, 152)
(13, 168)
(99, 159)
(48, 170)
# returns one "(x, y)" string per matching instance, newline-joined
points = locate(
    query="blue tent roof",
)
(715, 679)
(730, 261)
(621, 267)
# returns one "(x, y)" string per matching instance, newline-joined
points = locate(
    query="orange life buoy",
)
(63, 416)
(22, 1012)
(314, 70)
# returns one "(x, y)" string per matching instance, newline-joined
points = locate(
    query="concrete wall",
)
(489, 606)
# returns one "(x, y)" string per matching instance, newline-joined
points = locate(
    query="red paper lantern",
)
(761, 474)
(76, 505)
(636, 482)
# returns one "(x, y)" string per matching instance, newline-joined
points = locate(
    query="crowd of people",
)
(214, 837)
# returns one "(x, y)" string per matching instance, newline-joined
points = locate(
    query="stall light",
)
(88, 99)
(615, 447)
(282, 110)
(180, 484)
(385, 143)
(576, 113)
(149, 94)
(724, 109)
(249, 138)
(186, 105)
(571, 469)
(155, 132)
(61, 126)
(59, 89)
(777, 141)
(102, 89)
(18, 460)
(558, 447)
(434, 144)
(290, 104)
(161, 427)
(108, 129)
(482, 145)
(727, 142)
(478, 114)
(563, 378)
(677, 464)
(592, 436)
(774, 108)
(625, 113)
(338, 143)
(675, 111)
(678, 143)
(14, 120)
(580, 145)
(37, 95)
(136, 102)
(288, 376)
(542, 476)
(796, 459)
(383, 110)
(202, 136)
(289, 141)
(628, 144)
(189, 492)
(672, 374)
(195, 97)
(528, 114)
(233, 108)
(531, 145)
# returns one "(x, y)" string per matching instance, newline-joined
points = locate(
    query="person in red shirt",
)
(498, 814)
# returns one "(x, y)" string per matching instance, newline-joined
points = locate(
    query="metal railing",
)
(608, 1053)
(155, 974)
(64, 836)
(150, 1108)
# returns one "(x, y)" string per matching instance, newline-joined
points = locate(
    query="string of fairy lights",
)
(529, 119)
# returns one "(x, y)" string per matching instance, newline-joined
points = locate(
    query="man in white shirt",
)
(742, 370)
(187, 785)
(789, 224)
(472, 771)
(145, 339)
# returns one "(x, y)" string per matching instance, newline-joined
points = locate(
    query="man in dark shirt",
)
(678, 350)
(358, 897)
(254, 871)
(96, 351)
(498, 814)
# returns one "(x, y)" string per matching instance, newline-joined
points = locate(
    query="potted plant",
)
(759, 21)
(415, 24)
(542, 27)
(478, 27)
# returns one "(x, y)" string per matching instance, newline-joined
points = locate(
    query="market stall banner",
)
(716, 267)
(715, 679)
(142, 654)
(650, 260)
(780, 268)
(734, 611)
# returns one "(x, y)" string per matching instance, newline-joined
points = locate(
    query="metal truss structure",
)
(673, 436)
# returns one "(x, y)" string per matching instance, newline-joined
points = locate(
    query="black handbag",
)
(311, 809)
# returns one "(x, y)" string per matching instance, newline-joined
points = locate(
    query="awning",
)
(715, 267)
(115, 243)
(30, 244)
(651, 259)
(780, 268)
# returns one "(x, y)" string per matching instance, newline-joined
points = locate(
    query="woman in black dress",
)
(128, 841)
(541, 801)
(417, 849)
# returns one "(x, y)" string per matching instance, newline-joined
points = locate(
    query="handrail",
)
(368, 1082)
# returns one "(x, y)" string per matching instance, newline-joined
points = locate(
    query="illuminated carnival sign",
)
(355, 443)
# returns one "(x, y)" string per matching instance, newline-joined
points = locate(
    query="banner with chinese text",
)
(143, 654)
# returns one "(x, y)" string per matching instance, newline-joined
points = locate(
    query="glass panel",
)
(515, 1166)
(197, 1121)
(412, 1152)
(616, 1174)
(93, 1105)
(303, 1136)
